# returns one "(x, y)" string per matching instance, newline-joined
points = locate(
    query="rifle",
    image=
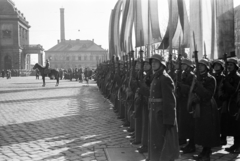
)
(205, 53)
(129, 91)
(170, 63)
(141, 68)
(225, 63)
(179, 61)
(118, 65)
(190, 95)
(123, 58)
(112, 76)
(132, 67)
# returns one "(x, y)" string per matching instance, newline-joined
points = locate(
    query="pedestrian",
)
(3, 73)
(163, 135)
(80, 75)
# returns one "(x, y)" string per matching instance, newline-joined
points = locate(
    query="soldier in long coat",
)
(207, 130)
(218, 66)
(231, 87)
(137, 113)
(185, 119)
(144, 91)
(163, 136)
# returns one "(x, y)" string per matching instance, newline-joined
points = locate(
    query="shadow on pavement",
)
(87, 128)
(36, 99)
(34, 89)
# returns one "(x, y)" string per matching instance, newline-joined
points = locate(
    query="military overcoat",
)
(162, 112)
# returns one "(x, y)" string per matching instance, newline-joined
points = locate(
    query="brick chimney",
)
(62, 28)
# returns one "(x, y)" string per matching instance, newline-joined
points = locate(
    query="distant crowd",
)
(8, 73)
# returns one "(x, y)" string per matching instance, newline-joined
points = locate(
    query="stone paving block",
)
(62, 123)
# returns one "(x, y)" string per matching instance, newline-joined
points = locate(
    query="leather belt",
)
(153, 100)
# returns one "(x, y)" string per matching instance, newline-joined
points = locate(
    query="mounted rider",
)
(46, 68)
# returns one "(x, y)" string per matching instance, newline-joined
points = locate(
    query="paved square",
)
(70, 122)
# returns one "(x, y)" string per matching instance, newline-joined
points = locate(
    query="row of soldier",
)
(72, 73)
(76, 73)
(165, 105)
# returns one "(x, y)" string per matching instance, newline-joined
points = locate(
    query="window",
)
(85, 57)
(67, 58)
(6, 34)
(79, 58)
(97, 57)
(20, 32)
(91, 57)
(23, 33)
(26, 36)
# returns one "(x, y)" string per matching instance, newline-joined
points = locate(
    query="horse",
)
(52, 72)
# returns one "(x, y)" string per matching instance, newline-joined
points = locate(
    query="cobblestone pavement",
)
(70, 122)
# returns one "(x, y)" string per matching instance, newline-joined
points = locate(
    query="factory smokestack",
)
(62, 28)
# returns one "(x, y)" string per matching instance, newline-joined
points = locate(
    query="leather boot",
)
(232, 148)
(142, 149)
(190, 148)
(206, 155)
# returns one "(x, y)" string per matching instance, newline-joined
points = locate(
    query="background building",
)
(237, 31)
(74, 53)
(14, 38)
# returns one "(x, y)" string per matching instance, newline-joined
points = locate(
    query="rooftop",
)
(76, 45)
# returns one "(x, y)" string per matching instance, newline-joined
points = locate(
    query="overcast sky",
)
(84, 19)
(91, 17)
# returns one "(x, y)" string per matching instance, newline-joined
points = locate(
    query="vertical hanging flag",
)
(173, 25)
(196, 27)
(116, 38)
(110, 28)
(129, 26)
(225, 26)
(154, 22)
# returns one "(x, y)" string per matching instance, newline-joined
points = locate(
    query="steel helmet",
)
(147, 60)
(218, 61)
(233, 60)
(205, 62)
(159, 58)
(187, 62)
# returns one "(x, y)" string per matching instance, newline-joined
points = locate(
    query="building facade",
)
(14, 38)
(75, 54)
(237, 31)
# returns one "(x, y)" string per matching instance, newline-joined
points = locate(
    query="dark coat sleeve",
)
(184, 88)
(206, 91)
(144, 89)
(169, 101)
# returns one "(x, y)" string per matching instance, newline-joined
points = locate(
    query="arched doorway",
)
(7, 62)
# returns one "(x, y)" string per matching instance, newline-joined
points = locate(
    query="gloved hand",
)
(194, 98)
(134, 114)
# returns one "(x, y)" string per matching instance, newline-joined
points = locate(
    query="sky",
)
(84, 20)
